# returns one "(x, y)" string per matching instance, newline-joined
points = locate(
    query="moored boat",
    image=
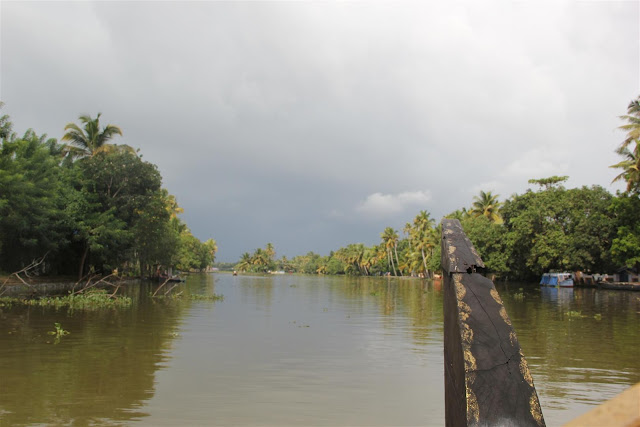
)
(620, 286)
(561, 280)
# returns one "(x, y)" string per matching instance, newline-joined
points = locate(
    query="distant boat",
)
(561, 280)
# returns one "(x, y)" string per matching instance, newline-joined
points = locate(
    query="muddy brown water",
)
(298, 350)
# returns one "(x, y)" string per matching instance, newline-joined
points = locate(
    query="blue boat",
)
(561, 280)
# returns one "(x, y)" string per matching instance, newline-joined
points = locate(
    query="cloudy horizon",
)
(316, 124)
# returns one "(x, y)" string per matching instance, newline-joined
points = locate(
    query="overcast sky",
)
(316, 124)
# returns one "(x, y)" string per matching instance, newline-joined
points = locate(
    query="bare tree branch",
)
(161, 286)
(25, 271)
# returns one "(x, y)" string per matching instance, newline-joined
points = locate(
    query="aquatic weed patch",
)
(574, 315)
(519, 296)
(212, 297)
(58, 333)
(180, 296)
(94, 299)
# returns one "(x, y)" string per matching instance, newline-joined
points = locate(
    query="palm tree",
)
(487, 204)
(409, 231)
(90, 140)
(411, 262)
(630, 169)
(390, 241)
(633, 125)
(322, 268)
(367, 260)
(260, 260)
(631, 163)
(270, 251)
(284, 263)
(245, 262)
(172, 205)
(424, 238)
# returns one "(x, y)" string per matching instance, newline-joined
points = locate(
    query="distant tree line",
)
(89, 205)
(550, 228)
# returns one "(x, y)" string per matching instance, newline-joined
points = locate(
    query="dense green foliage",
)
(90, 206)
(415, 255)
(554, 228)
(557, 229)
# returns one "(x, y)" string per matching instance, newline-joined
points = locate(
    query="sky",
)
(312, 125)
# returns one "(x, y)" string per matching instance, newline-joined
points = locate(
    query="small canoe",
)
(620, 286)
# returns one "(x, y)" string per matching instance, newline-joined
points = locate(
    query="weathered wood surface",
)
(458, 253)
(621, 411)
(487, 379)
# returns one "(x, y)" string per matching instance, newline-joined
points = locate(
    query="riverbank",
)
(10, 286)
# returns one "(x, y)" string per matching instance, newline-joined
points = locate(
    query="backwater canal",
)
(298, 351)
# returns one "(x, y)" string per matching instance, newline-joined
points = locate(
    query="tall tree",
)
(632, 127)
(551, 229)
(390, 242)
(270, 251)
(487, 205)
(5, 124)
(245, 262)
(630, 149)
(32, 215)
(630, 167)
(550, 182)
(424, 237)
(90, 139)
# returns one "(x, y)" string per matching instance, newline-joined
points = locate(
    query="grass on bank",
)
(94, 299)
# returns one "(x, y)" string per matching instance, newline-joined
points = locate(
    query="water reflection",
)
(581, 344)
(319, 351)
(102, 372)
(298, 350)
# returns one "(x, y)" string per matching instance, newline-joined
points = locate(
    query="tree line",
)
(88, 206)
(547, 228)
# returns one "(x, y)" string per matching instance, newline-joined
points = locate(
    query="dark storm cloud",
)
(313, 125)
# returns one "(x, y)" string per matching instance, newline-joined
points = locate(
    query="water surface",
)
(298, 350)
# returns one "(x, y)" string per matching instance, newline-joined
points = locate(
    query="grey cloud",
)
(275, 121)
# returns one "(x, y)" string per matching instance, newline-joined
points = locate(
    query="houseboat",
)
(560, 280)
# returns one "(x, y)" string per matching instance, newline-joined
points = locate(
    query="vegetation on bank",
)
(91, 206)
(546, 228)
(94, 299)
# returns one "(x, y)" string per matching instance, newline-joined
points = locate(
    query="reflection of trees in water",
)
(258, 290)
(104, 370)
(419, 300)
(573, 336)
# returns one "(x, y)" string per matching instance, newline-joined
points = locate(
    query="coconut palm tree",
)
(245, 262)
(369, 258)
(390, 241)
(631, 162)
(172, 205)
(424, 238)
(270, 251)
(630, 169)
(90, 140)
(487, 204)
(260, 259)
(284, 263)
(410, 232)
(633, 125)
